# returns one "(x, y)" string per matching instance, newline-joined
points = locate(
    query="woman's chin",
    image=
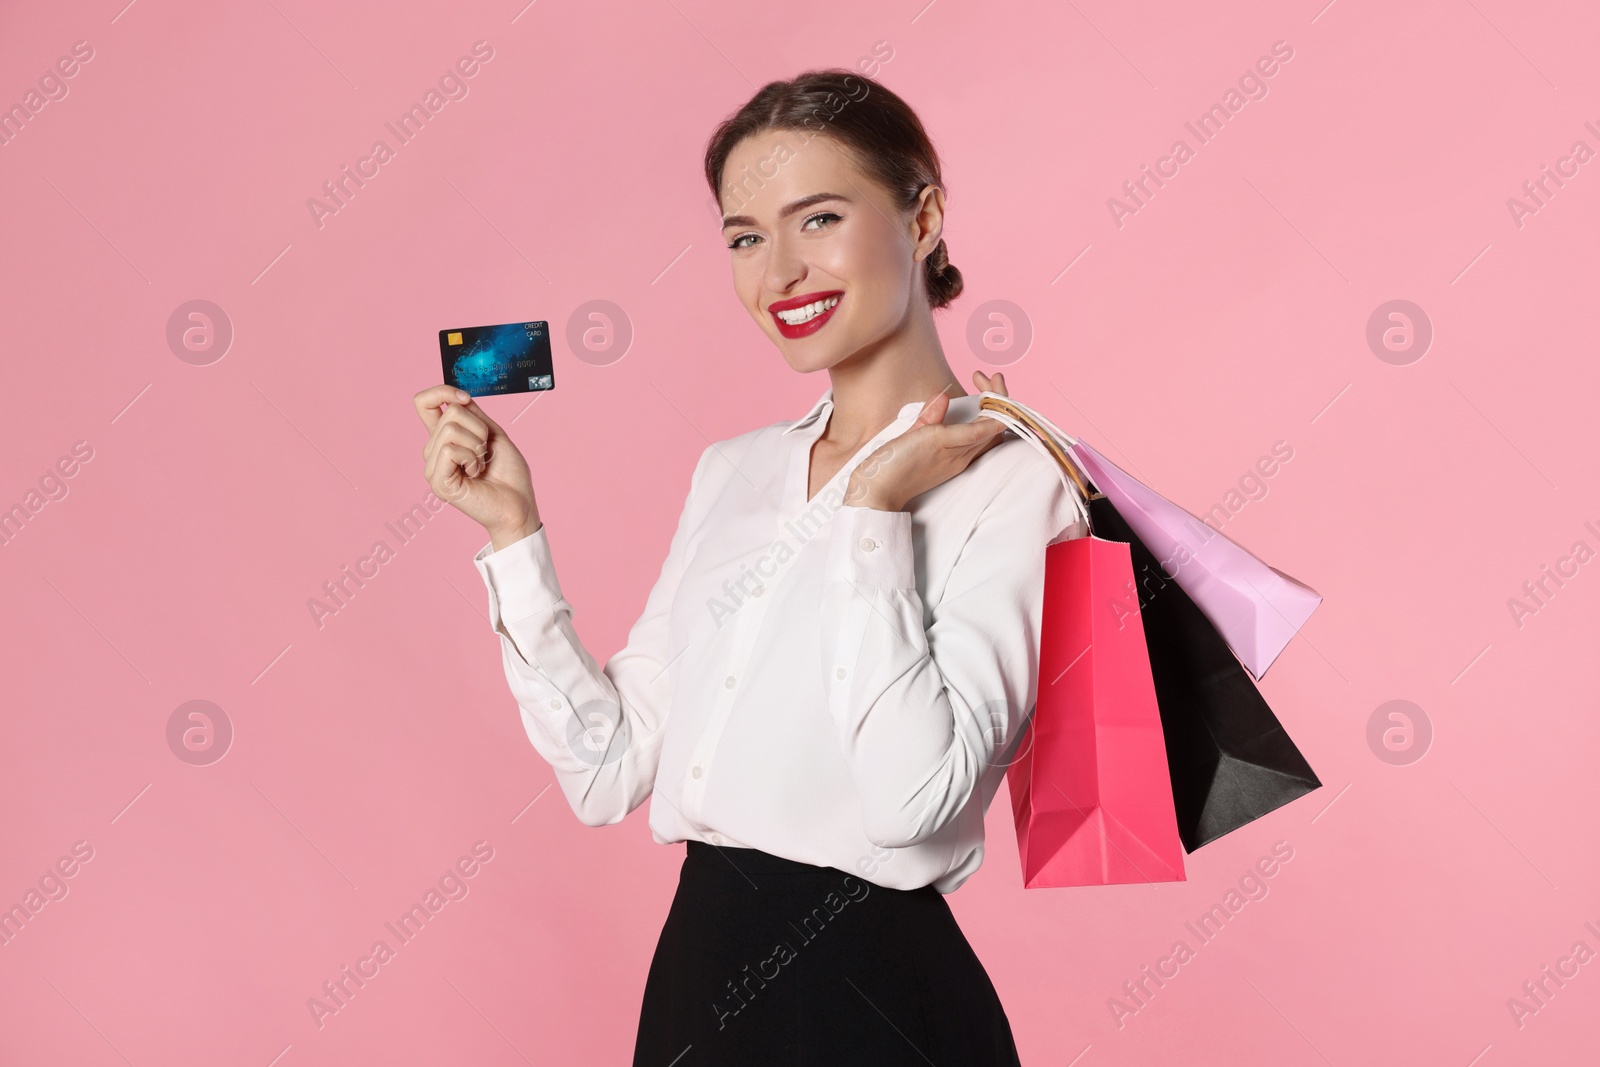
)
(807, 359)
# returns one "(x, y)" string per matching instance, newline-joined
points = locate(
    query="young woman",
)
(838, 658)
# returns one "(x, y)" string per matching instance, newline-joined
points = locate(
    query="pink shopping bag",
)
(1090, 792)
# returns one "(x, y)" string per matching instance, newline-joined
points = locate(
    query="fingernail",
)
(463, 397)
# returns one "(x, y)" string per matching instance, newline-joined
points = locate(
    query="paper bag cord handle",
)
(1053, 446)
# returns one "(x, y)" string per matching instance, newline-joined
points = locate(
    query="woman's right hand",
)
(470, 462)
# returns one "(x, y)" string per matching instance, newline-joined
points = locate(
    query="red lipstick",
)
(812, 325)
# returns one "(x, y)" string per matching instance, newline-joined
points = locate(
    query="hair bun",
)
(943, 280)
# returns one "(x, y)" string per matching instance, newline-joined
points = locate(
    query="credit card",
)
(489, 360)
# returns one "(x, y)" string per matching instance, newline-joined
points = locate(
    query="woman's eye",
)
(738, 242)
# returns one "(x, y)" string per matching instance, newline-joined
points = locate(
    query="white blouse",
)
(839, 685)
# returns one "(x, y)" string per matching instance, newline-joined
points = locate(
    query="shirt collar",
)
(824, 405)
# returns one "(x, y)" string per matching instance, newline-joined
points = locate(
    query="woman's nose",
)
(784, 266)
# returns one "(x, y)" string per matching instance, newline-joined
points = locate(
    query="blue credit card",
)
(489, 360)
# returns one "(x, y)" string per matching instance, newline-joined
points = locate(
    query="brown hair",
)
(876, 128)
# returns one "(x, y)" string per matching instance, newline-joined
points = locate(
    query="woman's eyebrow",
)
(799, 205)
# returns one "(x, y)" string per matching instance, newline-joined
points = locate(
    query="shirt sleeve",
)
(922, 713)
(599, 728)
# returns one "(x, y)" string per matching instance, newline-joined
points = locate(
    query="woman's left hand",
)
(928, 454)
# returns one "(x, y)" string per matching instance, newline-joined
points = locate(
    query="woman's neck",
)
(870, 387)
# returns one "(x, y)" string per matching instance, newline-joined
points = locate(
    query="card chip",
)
(454, 338)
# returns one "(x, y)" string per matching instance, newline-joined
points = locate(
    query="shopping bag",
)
(1256, 607)
(1090, 792)
(1229, 759)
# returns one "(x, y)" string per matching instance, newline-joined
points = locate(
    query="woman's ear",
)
(927, 222)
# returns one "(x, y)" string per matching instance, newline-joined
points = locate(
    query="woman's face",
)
(806, 225)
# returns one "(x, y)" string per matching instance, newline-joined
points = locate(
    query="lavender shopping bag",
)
(1255, 607)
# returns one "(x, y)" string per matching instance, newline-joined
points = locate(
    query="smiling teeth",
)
(800, 315)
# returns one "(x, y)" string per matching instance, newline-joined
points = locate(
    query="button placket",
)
(746, 623)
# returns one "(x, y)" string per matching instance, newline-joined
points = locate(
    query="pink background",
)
(370, 753)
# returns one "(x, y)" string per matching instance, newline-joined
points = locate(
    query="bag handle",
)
(1008, 412)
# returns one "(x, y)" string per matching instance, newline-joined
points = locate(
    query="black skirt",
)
(765, 961)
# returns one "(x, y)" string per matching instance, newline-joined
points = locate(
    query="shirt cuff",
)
(870, 546)
(521, 578)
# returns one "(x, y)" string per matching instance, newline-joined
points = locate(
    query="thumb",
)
(933, 411)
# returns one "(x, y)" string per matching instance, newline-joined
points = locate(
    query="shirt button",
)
(839, 673)
(716, 839)
(695, 770)
(868, 544)
(728, 683)
(758, 590)
(555, 702)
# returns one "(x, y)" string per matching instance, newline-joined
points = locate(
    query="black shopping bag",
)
(1230, 759)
